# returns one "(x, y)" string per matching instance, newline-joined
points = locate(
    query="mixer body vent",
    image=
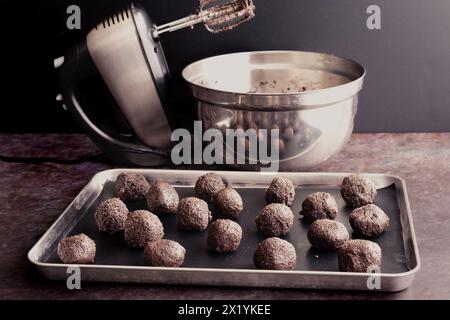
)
(116, 18)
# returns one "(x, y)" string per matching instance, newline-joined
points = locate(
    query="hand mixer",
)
(126, 52)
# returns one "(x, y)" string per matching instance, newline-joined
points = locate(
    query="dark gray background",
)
(408, 61)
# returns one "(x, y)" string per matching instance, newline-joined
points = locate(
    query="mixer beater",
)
(216, 15)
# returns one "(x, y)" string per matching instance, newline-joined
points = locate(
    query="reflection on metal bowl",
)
(310, 97)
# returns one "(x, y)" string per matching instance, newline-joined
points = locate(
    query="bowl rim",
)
(276, 101)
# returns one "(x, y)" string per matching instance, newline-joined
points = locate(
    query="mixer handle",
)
(77, 66)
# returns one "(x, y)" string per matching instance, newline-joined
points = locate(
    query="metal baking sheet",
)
(117, 262)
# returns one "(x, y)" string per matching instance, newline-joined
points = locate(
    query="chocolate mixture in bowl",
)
(294, 136)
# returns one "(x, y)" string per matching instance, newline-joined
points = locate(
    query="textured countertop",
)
(33, 196)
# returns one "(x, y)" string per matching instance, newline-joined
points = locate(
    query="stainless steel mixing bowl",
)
(311, 97)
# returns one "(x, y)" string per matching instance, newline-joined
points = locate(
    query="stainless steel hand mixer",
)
(125, 50)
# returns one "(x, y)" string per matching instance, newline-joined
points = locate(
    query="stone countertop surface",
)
(33, 196)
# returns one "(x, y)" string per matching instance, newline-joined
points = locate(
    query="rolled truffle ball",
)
(208, 185)
(327, 235)
(142, 227)
(229, 203)
(369, 221)
(358, 191)
(224, 236)
(275, 254)
(275, 220)
(164, 253)
(281, 190)
(193, 214)
(162, 198)
(359, 256)
(111, 215)
(79, 249)
(131, 186)
(319, 205)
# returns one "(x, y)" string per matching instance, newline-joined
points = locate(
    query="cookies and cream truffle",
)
(164, 253)
(162, 198)
(319, 205)
(275, 220)
(111, 215)
(79, 249)
(224, 236)
(193, 214)
(359, 256)
(369, 221)
(208, 185)
(229, 203)
(275, 254)
(358, 191)
(281, 190)
(142, 227)
(131, 186)
(327, 235)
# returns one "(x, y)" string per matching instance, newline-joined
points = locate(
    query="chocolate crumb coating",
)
(358, 191)
(275, 254)
(224, 236)
(142, 227)
(319, 205)
(111, 215)
(164, 253)
(327, 235)
(162, 198)
(281, 190)
(275, 220)
(193, 214)
(288, 134)
(229, 203)
(359, 255)
(79, 249)
(369, 221)
(281, 146)
(208, 185)
(131, 186)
